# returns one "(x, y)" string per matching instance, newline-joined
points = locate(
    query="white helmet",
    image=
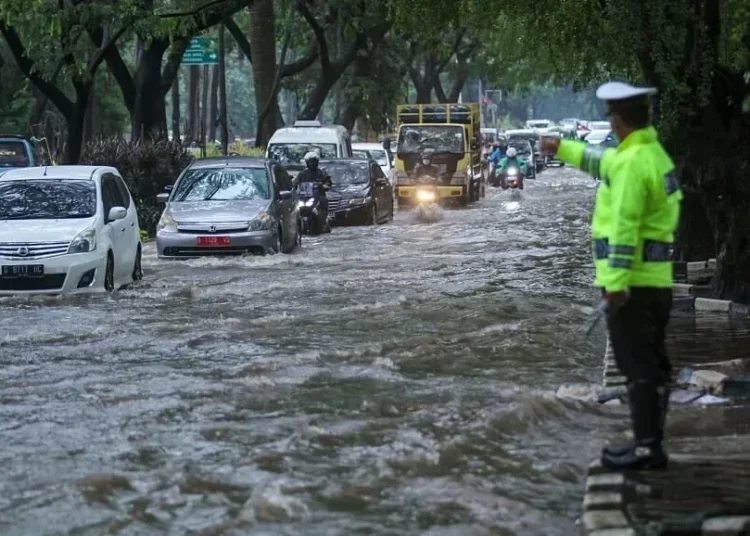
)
(512, 153)
(312, 155)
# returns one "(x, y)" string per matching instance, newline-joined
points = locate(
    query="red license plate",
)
(214, 241)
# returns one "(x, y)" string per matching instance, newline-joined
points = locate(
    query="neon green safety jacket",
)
(637, 209)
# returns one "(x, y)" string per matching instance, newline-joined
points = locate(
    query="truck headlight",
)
(84, 242)
(166, 222)
(425, 196)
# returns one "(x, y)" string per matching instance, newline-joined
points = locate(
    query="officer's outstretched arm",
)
(593, 159)
(629, 195)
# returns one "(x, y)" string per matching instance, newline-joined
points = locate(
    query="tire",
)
(109, 274)
(277, 245)
(137, 267)
(288, 248)
(300, 227)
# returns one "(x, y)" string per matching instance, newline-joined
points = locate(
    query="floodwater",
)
(397, 379)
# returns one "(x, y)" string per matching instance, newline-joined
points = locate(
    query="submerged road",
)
(396, 379)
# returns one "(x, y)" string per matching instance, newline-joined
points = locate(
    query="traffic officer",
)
(635, 219)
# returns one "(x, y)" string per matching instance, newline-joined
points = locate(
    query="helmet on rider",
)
(312, 159)
(512, 153)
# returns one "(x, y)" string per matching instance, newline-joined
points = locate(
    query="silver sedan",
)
(229, 206)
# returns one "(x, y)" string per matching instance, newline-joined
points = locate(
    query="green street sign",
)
(202, 51)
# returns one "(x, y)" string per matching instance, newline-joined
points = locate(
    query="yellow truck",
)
(449, 134)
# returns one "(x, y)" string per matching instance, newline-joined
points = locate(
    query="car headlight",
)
(425, 195)
(167, 222)
(359, 201)
(84, 242)
(262, 222)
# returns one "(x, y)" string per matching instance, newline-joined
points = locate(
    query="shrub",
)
(146, 166)
(212, 150)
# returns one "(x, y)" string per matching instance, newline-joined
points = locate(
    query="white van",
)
(289, 145)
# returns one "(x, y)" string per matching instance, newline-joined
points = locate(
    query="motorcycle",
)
(428, 200)
(513, 178)
(309, 208)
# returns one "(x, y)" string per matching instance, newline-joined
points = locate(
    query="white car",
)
(597, 137)
(67, 229)
(381, 156)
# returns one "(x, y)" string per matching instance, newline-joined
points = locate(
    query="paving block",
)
(615, 381)
(682, 289)
(613, 532)
(740, 309)
(598, 501)
(709, 305)
(605, 481)
(726, 526)
(604, 519)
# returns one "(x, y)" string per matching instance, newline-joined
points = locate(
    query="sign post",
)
(202, 51)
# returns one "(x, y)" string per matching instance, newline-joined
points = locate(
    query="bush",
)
(146, 166)
(240, 148)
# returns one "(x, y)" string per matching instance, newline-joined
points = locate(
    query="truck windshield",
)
(439, 138)
(14, 154)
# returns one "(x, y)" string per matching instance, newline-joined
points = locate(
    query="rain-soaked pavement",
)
(390, 380)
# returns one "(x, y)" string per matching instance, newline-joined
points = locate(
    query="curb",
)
(605, 511)
(688, 294)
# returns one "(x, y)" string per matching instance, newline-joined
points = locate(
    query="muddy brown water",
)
(396, 379)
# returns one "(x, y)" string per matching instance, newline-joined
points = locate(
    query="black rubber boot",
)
(664, 392)
(646, 452)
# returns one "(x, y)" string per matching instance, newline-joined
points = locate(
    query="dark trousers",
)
(638, 332)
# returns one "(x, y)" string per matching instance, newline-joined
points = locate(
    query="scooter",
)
(513, 178)
(309, 209)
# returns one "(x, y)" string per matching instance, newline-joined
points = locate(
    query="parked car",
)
(67, 229)
(381, 156)
(289, 145)
(16, 151)
(229, 206)
(361, 192)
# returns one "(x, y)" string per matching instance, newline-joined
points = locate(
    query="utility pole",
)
(481, 103)
(223, 91)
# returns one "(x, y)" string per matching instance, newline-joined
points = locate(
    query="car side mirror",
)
(162, 198)
(285, 195)
(117, 213)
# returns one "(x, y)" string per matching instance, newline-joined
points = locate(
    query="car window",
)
(378, 172)
(47, 199)
(282, 180)
(14, 154)
(349, 146)
(287, 183)
(223, 184)
(121, 188)
(110, 195)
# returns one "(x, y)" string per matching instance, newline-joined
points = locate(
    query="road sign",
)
(202, 51)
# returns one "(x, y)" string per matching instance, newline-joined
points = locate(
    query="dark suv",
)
(361, 193)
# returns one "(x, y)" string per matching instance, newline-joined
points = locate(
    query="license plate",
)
(214, 241)
(23, 270)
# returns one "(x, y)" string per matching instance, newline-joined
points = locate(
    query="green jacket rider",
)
(512, 159)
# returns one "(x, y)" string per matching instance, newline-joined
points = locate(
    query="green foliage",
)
(146, 166)
(213, 150)
(15, 97)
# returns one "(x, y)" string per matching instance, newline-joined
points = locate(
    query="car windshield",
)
(53, 199)
(223, 184)
(379, 156)
(522, 148)
(597, 135)
(343, 174)
(538, 124)
(360, 153)
(14, 154)
(294, 153)
(441, 139)
(600, 125)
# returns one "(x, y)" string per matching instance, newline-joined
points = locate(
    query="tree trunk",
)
(204, 105)
(75, 124)
(149, 117)
(213, 106)
(263, 48)
(192, 104)
(176, 116)
(88, 124)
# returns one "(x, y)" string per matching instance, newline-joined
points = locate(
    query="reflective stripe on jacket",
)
(637, 209)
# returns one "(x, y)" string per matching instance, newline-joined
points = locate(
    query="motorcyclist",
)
(322, 182)
(426, 167)
(512, 159)
(496, 156)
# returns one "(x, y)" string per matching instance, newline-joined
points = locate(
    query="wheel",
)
(277, 243)
(137, 268)
(288, 248)
(109, 274)
(372, 216)
(300, 226)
